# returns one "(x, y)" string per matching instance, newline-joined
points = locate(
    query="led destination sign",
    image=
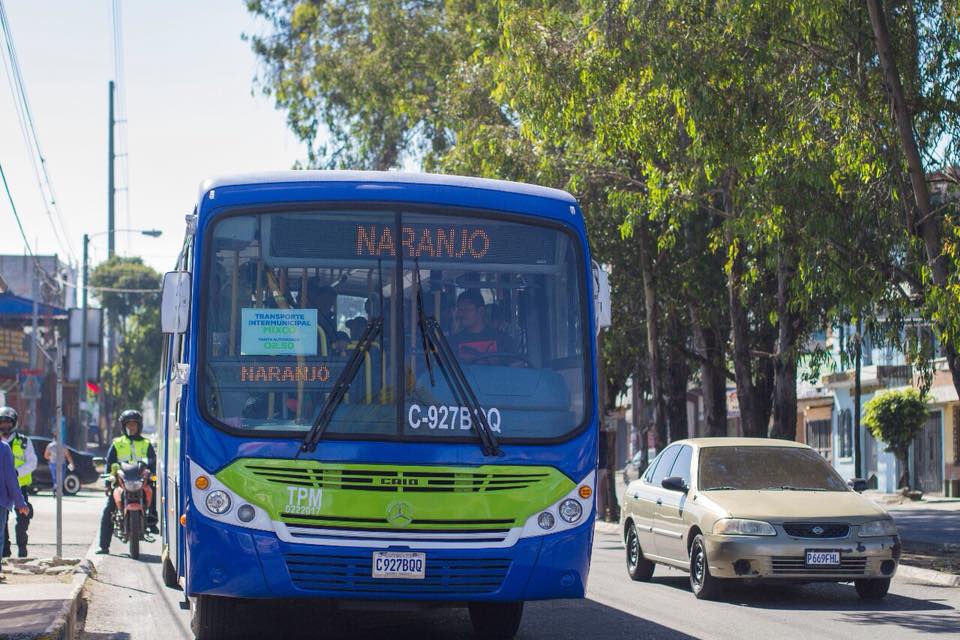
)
(278, 373)
(482, 242)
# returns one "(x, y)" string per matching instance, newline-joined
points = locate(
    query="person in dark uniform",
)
(25, 461)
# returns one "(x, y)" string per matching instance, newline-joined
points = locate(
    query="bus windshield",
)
(288, 296)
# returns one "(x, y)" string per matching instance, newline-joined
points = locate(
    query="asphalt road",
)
(128, 601)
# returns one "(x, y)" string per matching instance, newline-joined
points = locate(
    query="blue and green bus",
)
(379, 387)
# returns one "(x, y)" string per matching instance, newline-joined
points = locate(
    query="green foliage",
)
(896, 418)
(752, 139)
(136, 317)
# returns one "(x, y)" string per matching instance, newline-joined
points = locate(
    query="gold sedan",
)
(750, 508)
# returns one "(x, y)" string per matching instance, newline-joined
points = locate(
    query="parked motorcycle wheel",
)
(134, 533)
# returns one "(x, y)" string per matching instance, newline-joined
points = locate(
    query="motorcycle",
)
(132, 496)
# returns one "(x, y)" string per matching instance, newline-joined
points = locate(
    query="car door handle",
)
(659, 501)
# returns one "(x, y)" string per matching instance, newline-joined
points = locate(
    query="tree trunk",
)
(653, 335)
(927, 226)
(678, 374)
(904, 482)
(742, 364)
(713, 381)
(785, 364)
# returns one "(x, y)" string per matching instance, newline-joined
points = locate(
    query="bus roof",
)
(382, 177)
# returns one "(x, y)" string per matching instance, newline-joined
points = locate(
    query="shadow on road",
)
(924, 623)
(574, 620)
(825, 596)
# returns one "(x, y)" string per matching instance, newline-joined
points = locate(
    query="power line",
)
(29, 131)
(16, 215)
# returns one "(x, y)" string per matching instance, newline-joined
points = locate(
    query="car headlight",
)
(218, 502)
(878, 528)
(740, 527)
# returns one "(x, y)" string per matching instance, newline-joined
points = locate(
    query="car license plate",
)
(394, 564)
(820, 558)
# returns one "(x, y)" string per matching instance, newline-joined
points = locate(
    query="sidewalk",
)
(39, 600)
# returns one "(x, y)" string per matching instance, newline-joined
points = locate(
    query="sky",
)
(192, 112)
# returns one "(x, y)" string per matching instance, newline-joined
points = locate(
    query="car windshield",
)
(289, 295)
(766, 468)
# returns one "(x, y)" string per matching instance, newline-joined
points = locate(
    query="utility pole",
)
(58, 437)
(858, 355)
(111, 223)
(82, 396)
(34, 323)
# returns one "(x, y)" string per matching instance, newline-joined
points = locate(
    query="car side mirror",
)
(674, 483)
(857, 484)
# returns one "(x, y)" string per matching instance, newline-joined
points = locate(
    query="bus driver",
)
(475, 342)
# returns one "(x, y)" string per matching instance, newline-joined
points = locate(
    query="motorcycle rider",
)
(131, 446)
(25, 460)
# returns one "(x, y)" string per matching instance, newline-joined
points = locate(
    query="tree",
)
(129, 292)
(896, 418)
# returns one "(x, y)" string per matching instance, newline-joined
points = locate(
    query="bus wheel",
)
(168, 572)
(496, 620)
(212, 617)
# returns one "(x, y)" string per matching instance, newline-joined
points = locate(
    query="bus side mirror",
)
(175, 302)
(601, 299)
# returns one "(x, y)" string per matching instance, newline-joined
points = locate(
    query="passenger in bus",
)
(475, 341)
(323, 298)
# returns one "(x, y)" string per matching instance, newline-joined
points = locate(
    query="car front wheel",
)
(638, 567)
(71, 484)
(704, 585)
(872, 589)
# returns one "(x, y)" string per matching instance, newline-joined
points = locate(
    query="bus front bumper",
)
(232, 561)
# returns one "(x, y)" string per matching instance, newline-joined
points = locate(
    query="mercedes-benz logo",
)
(817, 531)
(399, 514)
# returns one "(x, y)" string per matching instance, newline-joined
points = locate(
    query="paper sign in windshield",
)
(278, 332)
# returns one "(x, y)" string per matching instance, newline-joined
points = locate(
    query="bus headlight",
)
(546, 520)
(246, 513)
(570, 510)
(218, 502)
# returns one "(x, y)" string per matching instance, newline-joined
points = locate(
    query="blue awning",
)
(15, 307)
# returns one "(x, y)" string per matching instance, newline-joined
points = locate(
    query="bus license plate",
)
(823, 558)
(393, 564)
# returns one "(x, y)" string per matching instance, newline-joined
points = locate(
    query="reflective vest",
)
(130, 450)
(19, 447)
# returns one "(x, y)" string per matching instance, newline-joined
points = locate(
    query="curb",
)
(64, 625)
(928, 576)
(601, 526)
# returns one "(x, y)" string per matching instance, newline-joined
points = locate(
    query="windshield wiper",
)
(721, 489)
(435, 343)
(787, 487)
(341, 386)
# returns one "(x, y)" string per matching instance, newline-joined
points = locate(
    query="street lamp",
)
(153, 233)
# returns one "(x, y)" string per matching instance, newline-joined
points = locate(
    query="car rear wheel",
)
(872, 589)
(71, 484)
(638, 567)
(704, 585)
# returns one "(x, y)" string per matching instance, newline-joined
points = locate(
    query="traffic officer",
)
(131, 446)
(25, 460)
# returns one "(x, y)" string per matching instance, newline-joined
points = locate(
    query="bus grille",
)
(796, 565)
(352, 574)
(395, 480)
